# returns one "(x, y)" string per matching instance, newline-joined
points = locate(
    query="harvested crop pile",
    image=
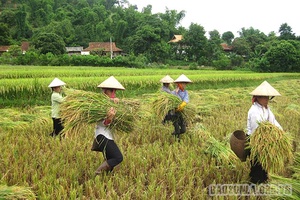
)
(163, 102)
(81, 108)
(272, 147)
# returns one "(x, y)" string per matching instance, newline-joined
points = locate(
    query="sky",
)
(231, 15)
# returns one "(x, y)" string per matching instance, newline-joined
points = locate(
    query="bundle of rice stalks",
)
(81, 108)
(289, 187)
(163, 102)
(272, 147)
(16, 192)
(296, 167)
(218, 150)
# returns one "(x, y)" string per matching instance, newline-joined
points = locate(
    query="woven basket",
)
(237, 144)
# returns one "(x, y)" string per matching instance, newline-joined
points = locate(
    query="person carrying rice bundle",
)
(104, 140)
(180, 91)
(166, 81)
(258, 113)
(56, 100)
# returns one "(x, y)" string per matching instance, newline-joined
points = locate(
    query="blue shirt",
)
(166, 89)
(183, 95)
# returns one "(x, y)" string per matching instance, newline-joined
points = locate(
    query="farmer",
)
(166, 81)
(180, 91)
(56, 100)
(260, 111)
(104, 140)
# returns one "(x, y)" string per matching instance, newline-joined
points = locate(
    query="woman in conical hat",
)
(104, 140)
(56, 100)
(180, 91)
(260, 111)
(166, 81)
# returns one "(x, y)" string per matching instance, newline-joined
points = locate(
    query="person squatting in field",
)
(104, 140)
(56, 100)
(176, 115)
(260, 111)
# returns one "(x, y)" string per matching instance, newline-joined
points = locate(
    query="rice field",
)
(34, 165)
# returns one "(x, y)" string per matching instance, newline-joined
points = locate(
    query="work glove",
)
(181, 106)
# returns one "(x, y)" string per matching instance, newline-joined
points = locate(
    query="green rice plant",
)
(83, 107)
(16, 192)
(163, 102)
(293, 180)
(219, 151)
(272, 147)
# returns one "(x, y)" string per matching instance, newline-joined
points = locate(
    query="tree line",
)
(52, 25)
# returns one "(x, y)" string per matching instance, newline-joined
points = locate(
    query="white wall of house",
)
(85, 53)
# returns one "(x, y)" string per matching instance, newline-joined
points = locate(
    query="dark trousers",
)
(257, 173)
(110, 150)
(177, 121)
(57, 126)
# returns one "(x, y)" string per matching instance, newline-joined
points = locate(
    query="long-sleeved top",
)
(102, 129)
(258, 113)
(183, 95)
(56, 100)
(166, 89)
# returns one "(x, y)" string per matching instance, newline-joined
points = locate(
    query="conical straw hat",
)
(167, 79)
(111, 82)
(182, 79)
(56, 82)
(265, 89)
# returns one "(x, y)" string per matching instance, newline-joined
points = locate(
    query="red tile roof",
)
(4, 48)
(105, 46)
(25, 46)
(226, 47)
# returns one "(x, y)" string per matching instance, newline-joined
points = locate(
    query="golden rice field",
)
(34, 165)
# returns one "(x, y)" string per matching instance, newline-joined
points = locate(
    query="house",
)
(74, 50)
(104, 48)
(177, 43)
(3, 49)
(24, 48)
(226, 47)
(176, 39)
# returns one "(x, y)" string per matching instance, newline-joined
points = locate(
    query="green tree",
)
(286, 32)
(214, 49)
(196, 44)
(22, 29)
(173, 19)
(241, 47)
(283, 57)
(144, 38)
(5, 37)
(15, 50)
(253, 37)
(228, 37)
(49, 43)
(63, 28)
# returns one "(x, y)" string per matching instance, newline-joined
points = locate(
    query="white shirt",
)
(258, 113)
(56, 100)
(101, 129)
